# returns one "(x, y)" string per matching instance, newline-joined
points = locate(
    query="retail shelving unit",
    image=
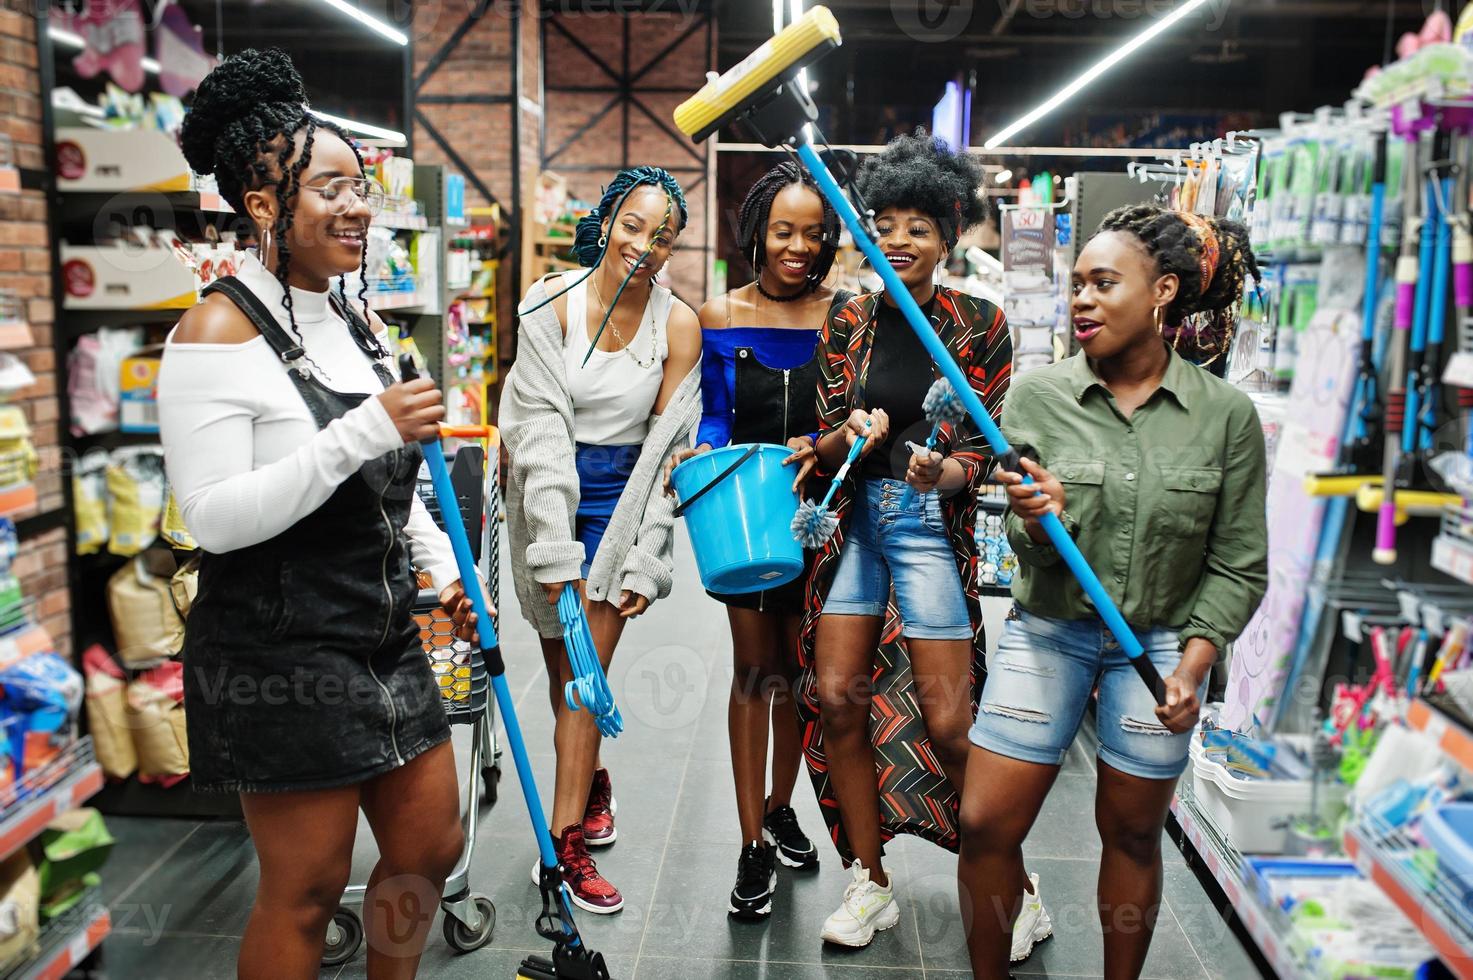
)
(1224, 865)
(94, 205)
(62, 785)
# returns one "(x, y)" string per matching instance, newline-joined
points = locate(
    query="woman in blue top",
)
(759, 372)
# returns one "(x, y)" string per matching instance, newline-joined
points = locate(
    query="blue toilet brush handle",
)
(908, 498)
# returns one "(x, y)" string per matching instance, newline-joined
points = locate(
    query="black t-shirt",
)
(900, 374)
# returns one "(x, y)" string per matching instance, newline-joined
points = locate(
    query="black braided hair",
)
(757, 208)
(1176, 248)
(921, 171)
(242, 127)
(590, 227)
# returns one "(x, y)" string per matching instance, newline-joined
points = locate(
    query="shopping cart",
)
(470, 919)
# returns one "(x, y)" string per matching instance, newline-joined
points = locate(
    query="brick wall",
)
(25, 269)
(592, 158)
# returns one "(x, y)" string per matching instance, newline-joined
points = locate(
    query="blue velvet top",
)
(780, 348)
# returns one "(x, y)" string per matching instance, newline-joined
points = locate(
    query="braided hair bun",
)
(921, 171)
(249, 101)
(1178, 248)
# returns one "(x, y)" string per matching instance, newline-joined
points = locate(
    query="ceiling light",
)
(372, 23)
(352, 126)
(1099, 68)
(1003, 176)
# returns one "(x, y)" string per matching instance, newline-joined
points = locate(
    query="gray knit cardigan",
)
(536, 421)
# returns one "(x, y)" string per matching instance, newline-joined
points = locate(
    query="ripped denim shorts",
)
(1039, 682)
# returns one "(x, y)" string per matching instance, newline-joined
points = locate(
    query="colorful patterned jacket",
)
(915, 795)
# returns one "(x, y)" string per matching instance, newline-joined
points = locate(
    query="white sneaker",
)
(1033, 925)
(867, 909)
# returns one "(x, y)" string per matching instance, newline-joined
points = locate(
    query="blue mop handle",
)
(1052, 526)
(485, 629)
(907, 498)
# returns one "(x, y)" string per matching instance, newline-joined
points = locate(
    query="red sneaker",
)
(598, 818)
(589, 890)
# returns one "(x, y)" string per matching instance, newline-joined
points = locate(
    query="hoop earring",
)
(265, 243)
(603, 241)
(1157, 319)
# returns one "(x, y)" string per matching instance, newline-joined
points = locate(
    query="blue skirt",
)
(603, 472)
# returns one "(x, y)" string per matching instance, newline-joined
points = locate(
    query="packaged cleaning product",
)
(93, 375)
(140, 603)
(74, 847)
(107, 714)
(20, 900)
(18, 459)
(89, 497)
(42, 694)
(156, 717)
(136, 487)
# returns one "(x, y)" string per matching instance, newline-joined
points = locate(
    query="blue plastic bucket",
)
(741, 528)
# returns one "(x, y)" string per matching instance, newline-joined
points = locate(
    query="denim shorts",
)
(1039, 682)
(910, 547)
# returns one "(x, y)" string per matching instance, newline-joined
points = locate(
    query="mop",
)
(814, 523)
(942, 407)
(589, 688)
(758, 93)
(571, 959)
(1410, 306)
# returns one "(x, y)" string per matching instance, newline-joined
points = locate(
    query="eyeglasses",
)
(340, 193)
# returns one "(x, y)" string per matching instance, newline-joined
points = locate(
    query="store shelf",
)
(70, 780)
(1454, 740)
(17, 499)
(1224, 866)
(65, 943)
(1453, 556)
(396, 301)
(402, 222)
(1374, 851)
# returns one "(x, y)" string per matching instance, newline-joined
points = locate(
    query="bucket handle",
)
(684, 506)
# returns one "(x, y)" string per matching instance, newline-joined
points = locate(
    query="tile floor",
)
(181, 891)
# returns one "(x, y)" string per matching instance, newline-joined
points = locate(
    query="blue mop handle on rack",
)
(486, 635)
(1053, 527)
(589, 688)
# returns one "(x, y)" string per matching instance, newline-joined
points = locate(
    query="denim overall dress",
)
(303, 663)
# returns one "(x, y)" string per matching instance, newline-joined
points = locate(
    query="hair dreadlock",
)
(1176, 248)
(921, 171)
(242, 128)
(757, 209)
(590, 227)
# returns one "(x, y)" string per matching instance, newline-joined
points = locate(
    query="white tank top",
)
(614, 394)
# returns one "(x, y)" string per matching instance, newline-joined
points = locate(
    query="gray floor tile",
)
(142, 843)
(208, 885)
(442, 963)
(689, 916)
(661, 968)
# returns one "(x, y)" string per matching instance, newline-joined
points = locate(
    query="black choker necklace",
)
(807, 288)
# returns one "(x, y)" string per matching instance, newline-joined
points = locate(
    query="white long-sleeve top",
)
(244, 457)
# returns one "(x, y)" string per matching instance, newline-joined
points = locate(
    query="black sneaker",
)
(794, 849)
(756, 878)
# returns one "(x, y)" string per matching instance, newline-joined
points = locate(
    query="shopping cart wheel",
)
(492, 777)
(461, 937)
(344, 936)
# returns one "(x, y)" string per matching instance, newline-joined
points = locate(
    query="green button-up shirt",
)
(1167, 506)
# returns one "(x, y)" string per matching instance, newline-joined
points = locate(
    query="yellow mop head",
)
(805, 40)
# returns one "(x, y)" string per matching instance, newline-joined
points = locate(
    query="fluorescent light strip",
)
(1103, 65)
(69, 39)
(377, 132)
(371, 22)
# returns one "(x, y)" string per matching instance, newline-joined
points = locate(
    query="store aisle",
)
(181, 892)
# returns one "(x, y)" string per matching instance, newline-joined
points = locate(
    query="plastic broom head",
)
(942, 405)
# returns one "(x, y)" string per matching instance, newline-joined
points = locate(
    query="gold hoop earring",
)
(1158, 320)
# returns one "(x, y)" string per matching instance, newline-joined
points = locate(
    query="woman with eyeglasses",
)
(293, 454)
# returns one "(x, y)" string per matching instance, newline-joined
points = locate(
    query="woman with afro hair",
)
(605, 386)
(759, 368)
(293, 453)
(1157, 469)
(892, 635)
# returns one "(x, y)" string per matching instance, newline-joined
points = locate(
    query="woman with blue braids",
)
(606, 385)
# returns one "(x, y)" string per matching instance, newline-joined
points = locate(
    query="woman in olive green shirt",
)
(1157, 469)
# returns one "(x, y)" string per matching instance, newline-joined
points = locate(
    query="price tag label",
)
(1459, 370)
(1362, 862)
(1350, 626)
